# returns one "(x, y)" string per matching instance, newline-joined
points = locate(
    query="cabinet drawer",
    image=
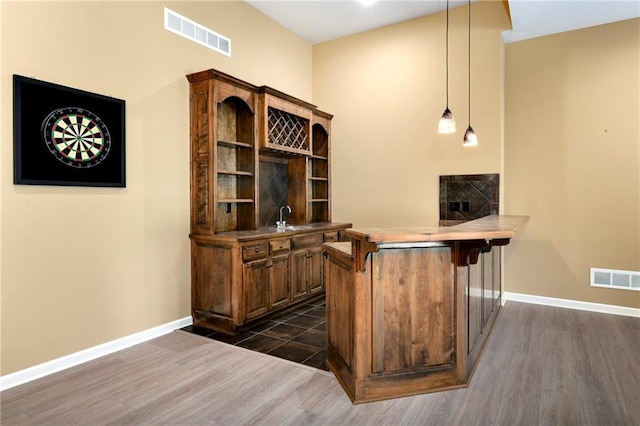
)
(307, 240)
(331, 237)
(280, 245)
(255, 251)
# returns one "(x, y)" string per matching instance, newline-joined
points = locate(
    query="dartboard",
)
(76, 137)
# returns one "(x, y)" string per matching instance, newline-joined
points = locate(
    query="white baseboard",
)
(53, 366)
(71, 360)
(571, 304)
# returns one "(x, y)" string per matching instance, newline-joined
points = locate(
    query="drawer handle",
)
(281, 246)
(252, 251)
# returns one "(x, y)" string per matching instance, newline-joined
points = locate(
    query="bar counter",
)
(409, 309)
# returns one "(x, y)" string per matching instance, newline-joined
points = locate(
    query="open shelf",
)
(320, 141)
(318, 169)
(318, 189)
(319, 211)
(234, 215)
(318, 174)
(235, 172)
(231, 158)
(235, 200)
(235, 185)
(234, 144)
(235, 166)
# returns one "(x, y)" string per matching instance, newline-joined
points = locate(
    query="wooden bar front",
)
(408, 311)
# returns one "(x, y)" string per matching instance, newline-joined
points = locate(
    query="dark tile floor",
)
(298, 336)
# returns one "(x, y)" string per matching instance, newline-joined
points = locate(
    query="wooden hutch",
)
(255, 150)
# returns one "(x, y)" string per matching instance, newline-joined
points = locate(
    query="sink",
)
(293, 227)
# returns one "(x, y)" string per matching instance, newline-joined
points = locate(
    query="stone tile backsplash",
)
(468, 197)
(272, 190)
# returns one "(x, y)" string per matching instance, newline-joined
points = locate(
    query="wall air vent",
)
(193, 31)
(610, 278)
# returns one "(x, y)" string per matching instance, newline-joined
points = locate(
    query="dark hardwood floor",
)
(541, 366)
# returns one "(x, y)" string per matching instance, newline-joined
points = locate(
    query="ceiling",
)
(317, 21)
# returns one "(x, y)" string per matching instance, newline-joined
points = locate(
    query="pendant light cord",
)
(469, 61)
(447, 52)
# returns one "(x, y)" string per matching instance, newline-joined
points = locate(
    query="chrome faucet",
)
(282, 223)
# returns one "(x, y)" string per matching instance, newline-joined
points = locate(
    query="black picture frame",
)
(48, 120)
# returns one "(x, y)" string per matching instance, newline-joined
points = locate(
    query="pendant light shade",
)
(470, 138)
(447, 123)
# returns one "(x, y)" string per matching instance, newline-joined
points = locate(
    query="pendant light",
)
(447, 123)
(470, 138)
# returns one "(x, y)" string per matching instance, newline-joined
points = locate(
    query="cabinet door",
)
(299, 288)
(315, 270)
(212, 280)
(474, 298)
(487, 285)
(256, 288)
(497, 275)
(404, 283)
(340, 310)
(279, 281)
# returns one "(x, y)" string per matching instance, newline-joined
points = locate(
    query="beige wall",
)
(573, 161)
(387, 90)
(83, 266)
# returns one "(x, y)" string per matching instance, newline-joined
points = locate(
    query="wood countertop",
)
(272, 231)
(488, 228)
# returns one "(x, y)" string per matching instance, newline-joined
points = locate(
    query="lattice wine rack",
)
(287, 130)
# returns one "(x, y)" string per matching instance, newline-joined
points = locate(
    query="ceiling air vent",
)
(193, 31)
(610, 278)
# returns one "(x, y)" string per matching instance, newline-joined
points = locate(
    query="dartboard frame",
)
(66, 136)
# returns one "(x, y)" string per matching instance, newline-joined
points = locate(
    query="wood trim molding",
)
(467, 252)
(361, 248)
